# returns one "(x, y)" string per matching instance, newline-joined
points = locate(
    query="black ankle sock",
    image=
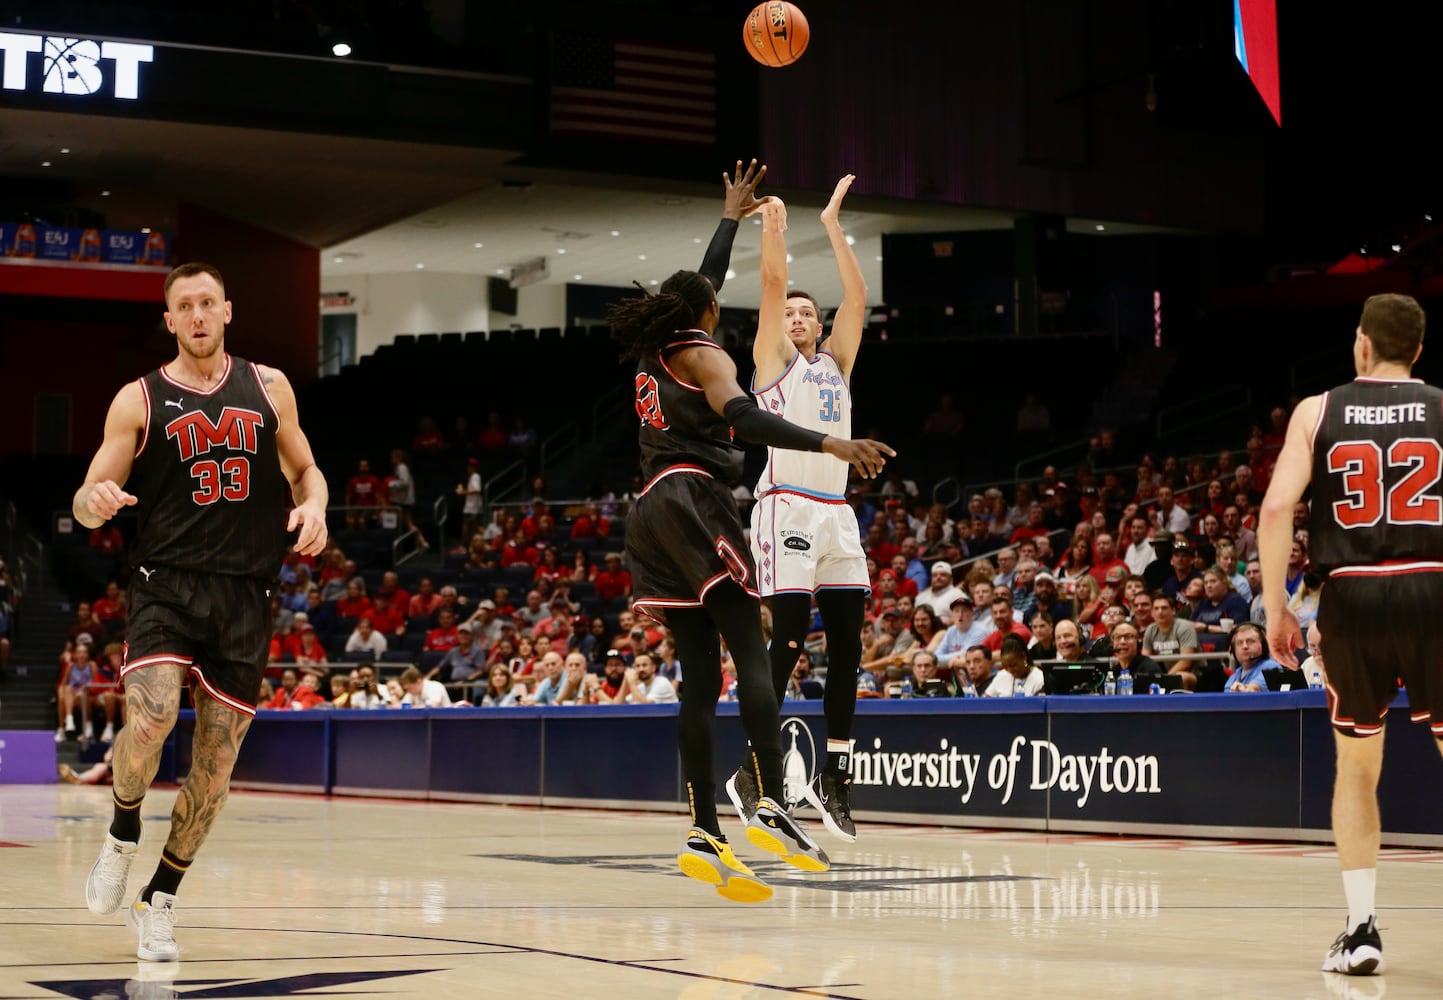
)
(839, 763)
(125, 824)
(167, 876)
(702, 800)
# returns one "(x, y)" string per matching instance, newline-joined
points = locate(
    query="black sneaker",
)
(743, 791)
(1359, 953)
(831, 795)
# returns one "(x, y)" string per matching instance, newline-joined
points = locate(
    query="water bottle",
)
(1153, 688)
(1315, 679)
(1124, 682)
(1109, 684)
(1018, 690)
(969, 690)
(906, 687)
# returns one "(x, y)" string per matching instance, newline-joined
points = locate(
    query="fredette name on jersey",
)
(1398, 413)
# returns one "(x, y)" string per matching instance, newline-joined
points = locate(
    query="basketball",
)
(776, 33)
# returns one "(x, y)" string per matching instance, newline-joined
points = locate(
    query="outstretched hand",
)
(865, 455)
(834, 207)
(741, 189)
(311, 519)
(1284, 636)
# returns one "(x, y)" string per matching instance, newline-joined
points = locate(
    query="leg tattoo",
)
(218, 734)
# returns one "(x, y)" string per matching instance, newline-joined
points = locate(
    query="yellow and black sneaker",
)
(773, 830)
(710, 859)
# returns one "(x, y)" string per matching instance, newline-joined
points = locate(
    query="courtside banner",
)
(486, 753)
(611, 753)
(921, 757)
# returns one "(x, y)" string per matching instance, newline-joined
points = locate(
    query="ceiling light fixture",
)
(340, 49)
(478, 246)
(65, 149)
(616, 232)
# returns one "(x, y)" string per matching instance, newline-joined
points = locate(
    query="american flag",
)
(626, 90)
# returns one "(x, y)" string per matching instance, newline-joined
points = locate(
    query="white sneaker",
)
(70, 723)
(154, 925)
(88, 733)
(59, 735)
(108, 736)
(105, 888)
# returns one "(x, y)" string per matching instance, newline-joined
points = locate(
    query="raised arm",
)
(773, 350)
(100, 497)
(308, 486)
(851, 315)
(740, 201)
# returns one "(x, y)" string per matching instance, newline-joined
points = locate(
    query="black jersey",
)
(1377, 464)
(210, 494)
(678, 426)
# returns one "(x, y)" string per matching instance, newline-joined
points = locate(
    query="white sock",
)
(1359, 886)
(842, 747)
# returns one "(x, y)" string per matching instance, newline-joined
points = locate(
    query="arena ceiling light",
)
(340, 49)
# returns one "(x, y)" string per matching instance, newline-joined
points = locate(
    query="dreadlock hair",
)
(645, 324)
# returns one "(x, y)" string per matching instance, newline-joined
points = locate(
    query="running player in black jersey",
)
(1371, 451)
(689, 559)
(204, 448)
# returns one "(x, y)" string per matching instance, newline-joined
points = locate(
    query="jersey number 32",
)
(1371, 497)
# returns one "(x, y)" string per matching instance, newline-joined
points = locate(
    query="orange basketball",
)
(776, 33)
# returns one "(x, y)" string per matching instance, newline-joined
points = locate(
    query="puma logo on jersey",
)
(148, 572)
(177, 403)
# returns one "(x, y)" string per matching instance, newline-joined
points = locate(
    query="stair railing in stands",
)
(505, 483)
(558, 444)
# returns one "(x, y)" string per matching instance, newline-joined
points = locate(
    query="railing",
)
(506, 482)
(558, 444)
(1079, 446)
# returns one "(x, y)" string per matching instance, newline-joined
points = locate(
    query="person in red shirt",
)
(293, 694)
(591, 524)
(333, 566)
(519, 550)
(532, 521)
(906, 586)
(363, 490)
(1003, 623)
(425, 601)
(1105, 559)
(504, 608)
(111, 607)
(390, 588)
(85, 623)
(878, 547)
(355, 604)
(493, 436)
(613, 582)
(428, 437)
(107, 539)
(385, 618)
(1034, 526)
(443, 637)
(551, 568)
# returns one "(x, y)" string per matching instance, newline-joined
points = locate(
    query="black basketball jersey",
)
(210, 494)
(678, 426)
(1377, 465)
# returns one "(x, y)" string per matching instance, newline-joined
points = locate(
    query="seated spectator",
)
(293, 694)
(1113, 614)
(364, 691)
(1075, 564)
(552, 673)
(502, 690)
(310, 652)
(385, 618)
(1168, 515)
(1105, 563)
(976, 672)
(104, 692)
(1004, 624)
(1015, 667)
(551, 567)
(85, 623)
(1067, 638)
(1169, 635)
(1089, 603)
(1140, 552)
(1218, 611)
(1183, 572)
(365, 639)
(479, 555)
(340, 691)
(443, 636)
(613, 583)
(1304, 601)
(394, 693)
(613, 687)
(940, 594)
(1043, 644)
(425, 601)
(107, 539)
(928, 680)
(1127, 652)
(801, 672)
(1024, 598)
(355, 604)
(965, 632)
(493, 436)
(590, 524)
(644, 686)
(1046, 600)
(1034, 526)
(421, 693)
(1006, 568)
(464, 662)
(112, 607)
(582, 568)
(77, 673)
(391, 589)
(893, 643)
(576, 683)
(518, 551)
(428, 437)
(334, 588)
(1250, 650)
(485, 626)
(534, 611)
(927, 627)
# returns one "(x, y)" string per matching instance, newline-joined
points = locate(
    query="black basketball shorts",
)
(1379, 625)
(217, 626)
(683, 537)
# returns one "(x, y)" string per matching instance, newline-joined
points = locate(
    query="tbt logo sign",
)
(77, 67)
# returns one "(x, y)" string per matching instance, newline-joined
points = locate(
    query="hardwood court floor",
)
(300, 895)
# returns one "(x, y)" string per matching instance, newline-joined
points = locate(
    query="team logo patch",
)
(796, 542)
(799, 761)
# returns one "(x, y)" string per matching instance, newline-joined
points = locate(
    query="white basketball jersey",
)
(815, 396)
